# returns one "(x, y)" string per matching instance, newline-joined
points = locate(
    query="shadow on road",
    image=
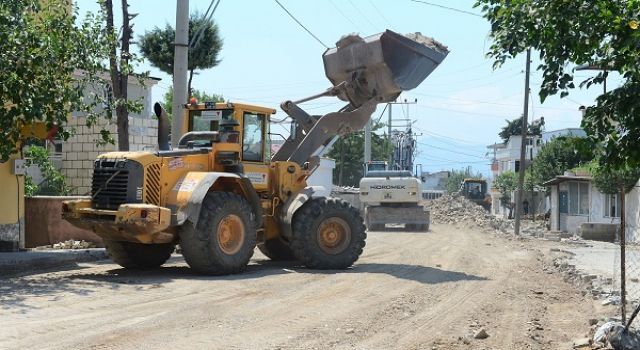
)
(14, 292)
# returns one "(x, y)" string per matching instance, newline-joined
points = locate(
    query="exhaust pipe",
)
(163, 127)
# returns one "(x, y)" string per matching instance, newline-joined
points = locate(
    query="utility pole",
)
(532, 205)
(367, 142)
(525, 117)
(180, 64)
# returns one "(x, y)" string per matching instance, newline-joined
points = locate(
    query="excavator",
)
(220, 193)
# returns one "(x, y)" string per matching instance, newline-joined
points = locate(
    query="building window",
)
(578, 198)
(517, 166)
(612, 205)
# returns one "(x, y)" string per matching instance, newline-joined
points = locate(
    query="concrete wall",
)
(44, 225)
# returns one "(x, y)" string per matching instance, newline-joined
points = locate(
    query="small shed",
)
(576, 205)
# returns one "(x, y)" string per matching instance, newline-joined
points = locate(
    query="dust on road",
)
(408, 291)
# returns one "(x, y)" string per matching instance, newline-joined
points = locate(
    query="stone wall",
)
(80, 150)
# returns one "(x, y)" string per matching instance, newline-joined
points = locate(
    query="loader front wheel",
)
(138, 255)
(277, 250)
(328, 233)
(224, 238)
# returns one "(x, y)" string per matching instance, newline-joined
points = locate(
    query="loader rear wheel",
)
(277, 250)
(327, 234)
(138, 255)
(224, 238)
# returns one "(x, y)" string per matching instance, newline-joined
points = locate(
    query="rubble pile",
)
(73, 244)
(453, 209)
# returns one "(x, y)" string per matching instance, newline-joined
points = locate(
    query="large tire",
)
(137, 255)
(224, 239)
(277, 250)
(327, 234)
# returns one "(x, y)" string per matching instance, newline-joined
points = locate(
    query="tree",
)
(40, 49)
(602, 34)
(514, 127)
(612, 181)
(559, 155)
(201, 96)
(348, 152)
(157, 46)
(457, 176)
(120, 69)
(506, 182)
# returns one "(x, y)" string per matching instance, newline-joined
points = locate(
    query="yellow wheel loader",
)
(221, 193)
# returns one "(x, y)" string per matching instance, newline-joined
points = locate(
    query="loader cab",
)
(252, 125)
(251, 122)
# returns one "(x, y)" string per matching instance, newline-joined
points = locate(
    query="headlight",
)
(121, 163)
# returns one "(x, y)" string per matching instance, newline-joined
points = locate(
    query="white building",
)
(575, 200)
(506, 157)
(75, 156)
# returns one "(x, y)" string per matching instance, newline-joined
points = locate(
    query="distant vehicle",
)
(392, 197)
(475, 190)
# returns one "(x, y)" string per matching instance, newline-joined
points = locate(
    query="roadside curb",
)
(34, 261)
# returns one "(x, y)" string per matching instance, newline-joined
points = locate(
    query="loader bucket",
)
(381, 66)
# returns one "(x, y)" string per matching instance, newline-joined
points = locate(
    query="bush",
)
(54, 183)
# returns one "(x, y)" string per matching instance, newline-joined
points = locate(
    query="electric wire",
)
(363, 15)
(300, 24)
(196, 38)
(379, 12)
(345, 16)
(449, 150)
(448, 8)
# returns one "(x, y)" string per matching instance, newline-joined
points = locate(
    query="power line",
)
(207, 18)
(379, 13)
(301, 25)
(345, 16)
(448, 150)
(448, 8)
(363, 15)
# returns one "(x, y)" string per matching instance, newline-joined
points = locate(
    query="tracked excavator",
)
(220, 194)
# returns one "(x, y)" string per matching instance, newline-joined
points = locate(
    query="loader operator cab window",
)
(208, 120)
(253, 141)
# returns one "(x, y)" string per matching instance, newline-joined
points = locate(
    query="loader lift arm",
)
(364, 72)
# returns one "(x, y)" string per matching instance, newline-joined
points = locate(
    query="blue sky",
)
(267, 58)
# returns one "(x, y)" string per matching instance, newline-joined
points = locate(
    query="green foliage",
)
(506, 183)
(40, 48)
(601, 33)
(348, 152)
(612, 180)
(559, 155)
(157, 46)
(201, 96)
(457, 176)
(54, 182)
(514, 127)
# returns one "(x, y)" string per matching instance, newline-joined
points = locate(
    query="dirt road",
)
(408, 291)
